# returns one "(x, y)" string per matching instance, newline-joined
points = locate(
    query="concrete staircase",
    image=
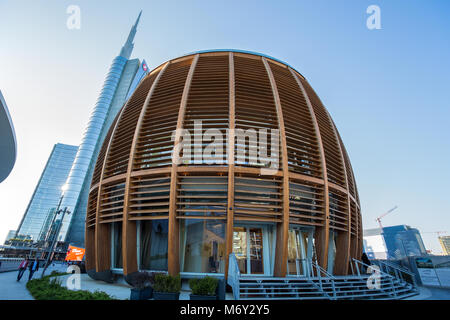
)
(338, 288)
(280, 288)
(320, 285)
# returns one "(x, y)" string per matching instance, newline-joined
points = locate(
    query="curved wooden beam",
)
(102, 231)
(173, 241)
(231, 138)
(129, 245)
(322, 235)
(281, 251)
(344, 239)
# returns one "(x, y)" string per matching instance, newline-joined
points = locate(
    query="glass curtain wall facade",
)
(122, 79)
(46, 196)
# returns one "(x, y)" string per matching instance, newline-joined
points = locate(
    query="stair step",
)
(289, 298)
(280, 293)
(312, 289)
(315, 288)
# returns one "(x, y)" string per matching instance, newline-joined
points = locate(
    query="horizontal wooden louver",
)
(92, 208)
(335, 169)
(208, 105)
(338, 211)
(254, 108)
(119, 153)
(257, 198)
(202, 196)
(101, 156)
(301, 140)
(306, 203)
(354, 219)
(111, 203)
(149, 197)
(154, 146)
(313, 185)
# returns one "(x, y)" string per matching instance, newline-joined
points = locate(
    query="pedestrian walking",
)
(366, 261)
(34, 266)
(22, 267)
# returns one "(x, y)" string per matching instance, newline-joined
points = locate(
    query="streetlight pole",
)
(54, 240)
(49, 231)
(56, 234)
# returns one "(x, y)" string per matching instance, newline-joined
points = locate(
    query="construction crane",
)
(437, 232)
(383, 215)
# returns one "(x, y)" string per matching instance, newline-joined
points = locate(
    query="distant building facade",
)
(11, 234)
(123, 77)
(47, 193)
(8, 144)
(445, 243)
(395, 242)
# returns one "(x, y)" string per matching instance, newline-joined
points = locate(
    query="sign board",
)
(429, 277)
(75, 254)
(443, 275)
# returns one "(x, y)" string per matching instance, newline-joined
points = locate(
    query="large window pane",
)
(153, 245)
(117, 261)
(240, 248)
(202, 244)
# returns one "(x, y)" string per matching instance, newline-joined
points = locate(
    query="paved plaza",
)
(10, 289)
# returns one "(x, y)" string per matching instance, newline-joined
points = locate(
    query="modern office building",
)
(11, 234)
(268, 179)
(395, 242)
(8, 144)
(445, 243)
(47, 193)
(123, 77)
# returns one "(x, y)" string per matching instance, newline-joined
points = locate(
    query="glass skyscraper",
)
(394, 242)
(46, 196)
(123, 77)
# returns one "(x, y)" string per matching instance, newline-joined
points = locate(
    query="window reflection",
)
(117, 261)
(154, 244)
(202, 245)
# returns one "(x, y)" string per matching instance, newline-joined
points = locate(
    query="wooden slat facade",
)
(232, 93)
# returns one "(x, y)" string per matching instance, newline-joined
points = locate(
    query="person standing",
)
(34, 266)
(366, 261)
(22, 267)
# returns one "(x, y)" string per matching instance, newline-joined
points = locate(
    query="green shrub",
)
(206, 286)
(55, 273)
(167, 283)
(143, 279)
(50, 288)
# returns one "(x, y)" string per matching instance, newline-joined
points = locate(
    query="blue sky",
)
(387, 90)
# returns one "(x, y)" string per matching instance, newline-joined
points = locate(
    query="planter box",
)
(141, 294)
(197, 297)
(166, 295)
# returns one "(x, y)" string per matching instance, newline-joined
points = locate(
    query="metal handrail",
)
(356, 262)
(389, 276)
(234, 275)
(397, 270)
(325, 272)
(319, 270)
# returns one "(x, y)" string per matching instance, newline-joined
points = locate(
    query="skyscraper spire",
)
(129, 45)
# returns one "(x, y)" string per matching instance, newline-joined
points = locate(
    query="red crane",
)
(383, 215)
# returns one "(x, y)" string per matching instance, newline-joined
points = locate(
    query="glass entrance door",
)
(300, 250)
(249, 249)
